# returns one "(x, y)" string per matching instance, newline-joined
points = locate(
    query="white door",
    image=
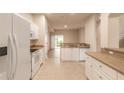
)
(21, 31)
(5, 30)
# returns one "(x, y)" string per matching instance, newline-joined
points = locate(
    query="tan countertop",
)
(74, 47)
(120, 50)
(115, 62)
(36, 46)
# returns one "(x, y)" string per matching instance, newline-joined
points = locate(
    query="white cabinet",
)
(82, 54)
(70, 54)
(37, 59)
(66, 54)
(89, 69)
(42, 55)
(95, 70)
(120, 76)
(75, 54)
(34, 34)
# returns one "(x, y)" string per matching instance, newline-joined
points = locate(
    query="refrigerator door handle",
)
(16, 54)
(10, 56)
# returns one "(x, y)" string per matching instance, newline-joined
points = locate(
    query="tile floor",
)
(53, 69)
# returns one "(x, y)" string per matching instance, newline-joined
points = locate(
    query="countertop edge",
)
(88, 53)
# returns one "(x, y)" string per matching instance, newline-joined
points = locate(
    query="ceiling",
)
(60, 21)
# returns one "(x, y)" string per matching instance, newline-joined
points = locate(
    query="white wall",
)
(81, 35)
(104, 29)
(69, 36)
(90, 32)
(113, 33)
(111, 27)
(27, 15)
(121, 33)
(121, 20)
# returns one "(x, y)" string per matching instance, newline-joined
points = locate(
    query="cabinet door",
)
(107, 71)
(90, 68)
(75, 54)
(66, 54)
(34, 32)
(41, 56)
(82, 54)
(97, 71)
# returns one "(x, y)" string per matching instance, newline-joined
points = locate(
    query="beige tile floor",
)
(53, 69)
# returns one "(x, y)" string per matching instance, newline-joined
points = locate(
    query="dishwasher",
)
(35, 57)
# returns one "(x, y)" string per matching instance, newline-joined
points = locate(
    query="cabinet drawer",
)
(107, 70)
(99, 75)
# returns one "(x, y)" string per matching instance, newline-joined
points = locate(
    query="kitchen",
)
(28, 51)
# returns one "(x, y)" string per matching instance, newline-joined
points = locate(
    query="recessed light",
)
(65, 26)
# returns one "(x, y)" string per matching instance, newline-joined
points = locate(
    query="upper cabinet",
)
(34, 34)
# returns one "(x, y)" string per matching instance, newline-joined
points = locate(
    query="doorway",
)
(58, 41)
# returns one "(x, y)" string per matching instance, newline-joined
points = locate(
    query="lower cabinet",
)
(42, 55)
(120, 76)
(66, 54)
(95, 70)
(69, 54)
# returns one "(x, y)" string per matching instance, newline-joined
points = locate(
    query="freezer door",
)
(5, 30)
(21, 35)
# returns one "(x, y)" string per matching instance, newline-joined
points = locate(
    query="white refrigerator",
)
(15, 34)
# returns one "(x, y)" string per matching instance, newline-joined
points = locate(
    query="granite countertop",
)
(115, 62)
(36, 46)
(120, 50)
(74, 47)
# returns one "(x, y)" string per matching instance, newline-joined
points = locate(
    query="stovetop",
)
(33, 50)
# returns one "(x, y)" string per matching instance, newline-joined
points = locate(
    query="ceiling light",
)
(65, 26)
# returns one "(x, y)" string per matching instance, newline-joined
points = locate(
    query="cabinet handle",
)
(100, 66)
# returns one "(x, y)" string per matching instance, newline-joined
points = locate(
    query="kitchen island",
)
(73, 51)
